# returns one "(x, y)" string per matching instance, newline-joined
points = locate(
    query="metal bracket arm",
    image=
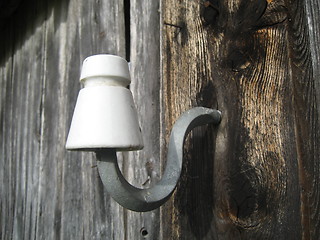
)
(143, 200)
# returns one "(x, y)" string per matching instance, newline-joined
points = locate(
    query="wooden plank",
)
(69, 199)
(100, 33)
(258, 176)
(49, 193)
(6, 99)
(143, 167)
(306, 115)
(82, 204)
(186, 82)
(20, 126)
(312, 14)
(313, 17)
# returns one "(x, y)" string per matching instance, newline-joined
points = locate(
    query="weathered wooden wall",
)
(45, 191)
(257, 62)
(256, 176)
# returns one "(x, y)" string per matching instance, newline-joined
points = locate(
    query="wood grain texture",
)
(47, 192)
(142, 168)
(256, 176)
(313, 18)
(313, 23)
(306, 118)
(186, 82)
(251, 60)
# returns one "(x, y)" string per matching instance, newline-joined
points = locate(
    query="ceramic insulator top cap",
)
(108, 67)
(105, 115)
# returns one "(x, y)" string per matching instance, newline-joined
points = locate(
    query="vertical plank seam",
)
(41, 124)
(127, 28)
(301, 43)
(11, 117)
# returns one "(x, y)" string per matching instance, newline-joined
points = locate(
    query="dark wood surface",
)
(257, 175)
(7, 8)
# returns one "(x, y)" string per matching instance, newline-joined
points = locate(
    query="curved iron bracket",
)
(142, 200)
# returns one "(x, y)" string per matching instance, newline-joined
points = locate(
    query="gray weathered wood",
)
(143, 169)
(257, 177)
(47, 192)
